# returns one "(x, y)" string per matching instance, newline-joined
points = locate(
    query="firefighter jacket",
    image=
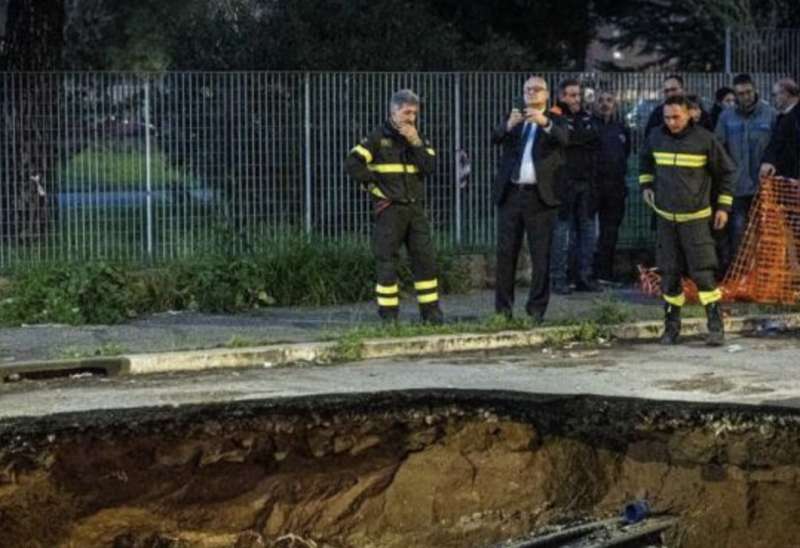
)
(685, 170)
(388, 167)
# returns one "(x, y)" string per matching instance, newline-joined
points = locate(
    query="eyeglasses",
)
(671, 90)
(535, 89)
(745, 92)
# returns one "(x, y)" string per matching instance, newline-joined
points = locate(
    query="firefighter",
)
(681, 166)
(390, 164)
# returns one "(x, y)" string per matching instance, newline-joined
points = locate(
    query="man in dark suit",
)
(782, 156)
(527, 195)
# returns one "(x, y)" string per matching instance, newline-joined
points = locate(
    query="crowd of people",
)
(561, 185)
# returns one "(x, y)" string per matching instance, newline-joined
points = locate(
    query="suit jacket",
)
(548, 159)
(783, 150)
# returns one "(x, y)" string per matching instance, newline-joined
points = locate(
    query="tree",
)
(33, 42)
(688, 35)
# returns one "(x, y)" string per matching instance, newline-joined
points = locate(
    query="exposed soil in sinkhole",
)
(411, 469)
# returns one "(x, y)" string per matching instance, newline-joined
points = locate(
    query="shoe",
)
(561, 288)
(535, 314)
(672, 324)
(587, 285)
(388, 317)
(716, 328)
(432, 315)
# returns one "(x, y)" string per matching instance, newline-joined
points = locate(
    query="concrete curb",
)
(323, 352)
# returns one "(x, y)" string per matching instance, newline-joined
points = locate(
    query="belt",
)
(524, 186)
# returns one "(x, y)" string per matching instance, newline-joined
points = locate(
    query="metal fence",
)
(763, 50)
(150, 167)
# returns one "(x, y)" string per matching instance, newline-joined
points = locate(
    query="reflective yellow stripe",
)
(725, 199)
(377, 192)
(684, 217)
(363, 152)
(388, 301)
(394, 168)
(680, 160)
(387, 289)
(707, 297)
(428, 298)
(646, 178)
(680, 300)
(430, 151)
(426, 284)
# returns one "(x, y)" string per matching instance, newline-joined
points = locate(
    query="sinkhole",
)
(398, 469)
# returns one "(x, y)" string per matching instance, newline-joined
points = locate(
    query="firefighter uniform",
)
(392, 170)
(685, 170)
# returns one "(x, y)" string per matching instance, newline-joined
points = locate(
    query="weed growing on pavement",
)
(349, 345)
(610, 311)
(108, 349)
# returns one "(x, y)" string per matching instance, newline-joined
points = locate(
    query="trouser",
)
(578, 210)
(686, 249)
(523, 213)
(397, 225)
(610, 212)
(730, 238)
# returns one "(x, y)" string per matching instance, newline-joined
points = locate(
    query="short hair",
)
(692, 100)
(743, 78)
(677, 77)
(678, 100)
(403, 97)
(567, 83)
(789, 86)
(722, 92)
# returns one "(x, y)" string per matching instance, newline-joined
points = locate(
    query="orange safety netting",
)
(767, 265)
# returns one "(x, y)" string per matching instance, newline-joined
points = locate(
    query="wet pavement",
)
(748, 370)
(172, 331)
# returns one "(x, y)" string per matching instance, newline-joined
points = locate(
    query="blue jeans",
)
(575, 224)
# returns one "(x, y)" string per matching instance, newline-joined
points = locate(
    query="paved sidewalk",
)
(175, 331)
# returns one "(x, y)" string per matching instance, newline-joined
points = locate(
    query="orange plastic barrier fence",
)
(766, 268)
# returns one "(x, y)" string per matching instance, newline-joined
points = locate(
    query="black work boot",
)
(672, 324)
(388, 315)
(431, 314)
(716, 329)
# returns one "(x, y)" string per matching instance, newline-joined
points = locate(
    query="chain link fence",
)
(122, 166)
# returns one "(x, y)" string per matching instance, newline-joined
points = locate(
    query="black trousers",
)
(610, 211)
(395, 226)
(524, 214)
(686, 249)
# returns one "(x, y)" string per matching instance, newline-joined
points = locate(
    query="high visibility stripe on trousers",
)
(388, 295)
(427, 291)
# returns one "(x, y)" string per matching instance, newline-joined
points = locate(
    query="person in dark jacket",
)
(576, 215)
(744, 131)
(526, 191)
(673, 87)
(390, 164)
(782, 156)
(724, 98)
(611, 190)
(681, 166)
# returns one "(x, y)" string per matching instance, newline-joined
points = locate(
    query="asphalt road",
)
(748, 370)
